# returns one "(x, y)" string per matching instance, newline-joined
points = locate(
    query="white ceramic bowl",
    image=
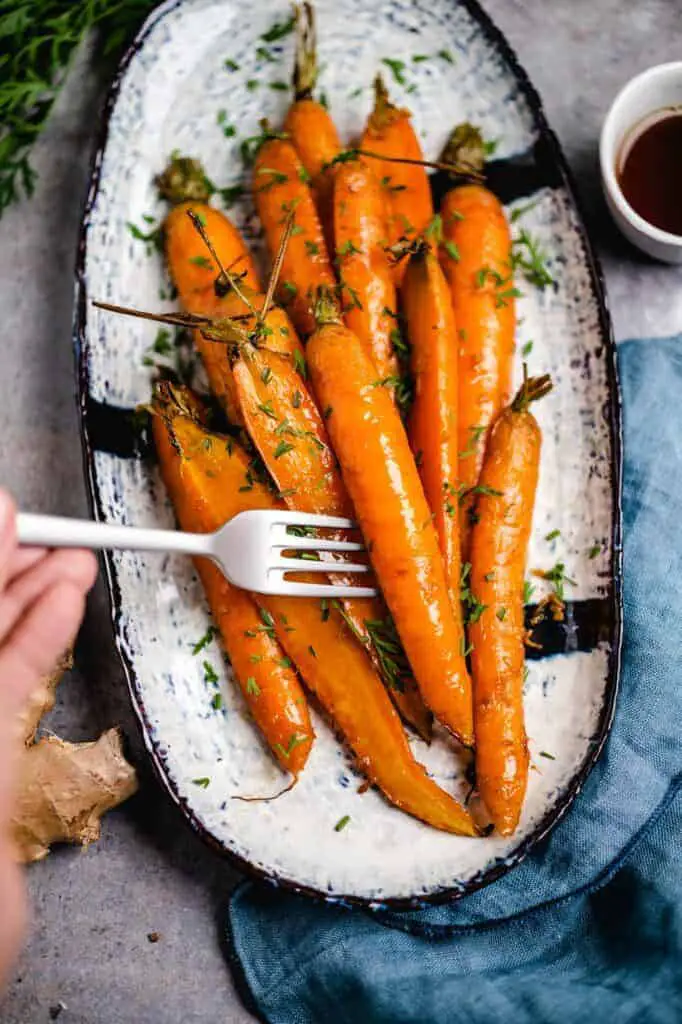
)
(641, 101)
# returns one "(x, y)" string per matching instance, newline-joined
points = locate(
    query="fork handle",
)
(62, 532)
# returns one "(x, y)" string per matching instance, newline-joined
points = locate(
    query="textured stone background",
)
(92, 912)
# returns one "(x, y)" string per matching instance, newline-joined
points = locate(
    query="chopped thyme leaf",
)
(341, 823)
(501, 614)
(530, 260)
(252, 687)
(290, 288)
(311, 650)
(282, 448)
(206, 639)
(552, 535)
(266, 618)
(490, 146)
(217, 701)
(262, 53)
(266, 375)
(528, 591)
(231, 65)
(544, 753)
(446, 55)
(279, 86)
(419, 58)
(255, 658)
(252, 84)
(489, 576)
(557, 576)
(451, 249)
(594, 551)
(520, 210)
(294, 741)
(284, 662)
(527, 349)
(312, 247)
(300, 364)
(476, 435)
(266, 407)
(279, 30)
(201, 261)
(397, 68)
(210, 674)
(324, 608)
(303, 174)
(296, 399)
(434, 228)
(203, 783)
(348, 248)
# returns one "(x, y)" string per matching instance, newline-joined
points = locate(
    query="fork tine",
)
(290, 518)
(283, 586)
(308, 565)
(316, 544)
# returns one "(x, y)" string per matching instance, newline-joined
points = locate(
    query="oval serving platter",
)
(191, 61)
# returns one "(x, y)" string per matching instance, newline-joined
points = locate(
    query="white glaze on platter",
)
(169, 98)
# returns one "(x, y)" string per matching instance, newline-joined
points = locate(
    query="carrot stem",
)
(305, 64)
(532, 389)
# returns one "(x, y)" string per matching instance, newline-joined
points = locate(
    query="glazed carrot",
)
(280, 187)
(289, 434)
(367, 287)
(499, 542)
(332, 664)
(309, 124)
(476, 257)
(432, 424)
(383, 482)
(193, 272)
(389, 133)
(188, 457)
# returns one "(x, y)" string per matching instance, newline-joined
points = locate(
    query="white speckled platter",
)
(167, 94)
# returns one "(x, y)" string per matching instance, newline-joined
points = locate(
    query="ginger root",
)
(64, 788)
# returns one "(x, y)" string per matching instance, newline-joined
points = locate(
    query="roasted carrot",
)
(289, 434)
(192, 269)
(476, 259)
(189, 457)
(383, 482)
(331, 662)
(280, 189)
(368, 290)
(499, 542)
(432, 425)
(309, 124)
(194, 273)
(389, 133)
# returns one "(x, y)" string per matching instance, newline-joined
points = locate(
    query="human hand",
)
(42, 600)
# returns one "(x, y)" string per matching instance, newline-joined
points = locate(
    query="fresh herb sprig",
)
(39, 40)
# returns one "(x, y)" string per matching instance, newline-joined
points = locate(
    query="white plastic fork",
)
(249, 549)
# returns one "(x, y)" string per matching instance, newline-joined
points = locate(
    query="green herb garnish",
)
(206, 639)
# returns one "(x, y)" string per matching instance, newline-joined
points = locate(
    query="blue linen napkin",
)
(591, 922)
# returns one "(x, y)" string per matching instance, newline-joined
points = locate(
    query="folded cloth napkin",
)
(591, 922)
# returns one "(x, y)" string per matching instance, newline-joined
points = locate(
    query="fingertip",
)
(88, 568)
(8, 512)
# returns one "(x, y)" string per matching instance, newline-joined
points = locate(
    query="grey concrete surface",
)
(92, 911)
